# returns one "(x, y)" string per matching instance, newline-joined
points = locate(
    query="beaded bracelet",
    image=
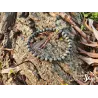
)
(49, 30)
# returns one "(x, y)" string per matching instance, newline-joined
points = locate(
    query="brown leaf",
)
(92, 44)
(89, 60)
(93, 55)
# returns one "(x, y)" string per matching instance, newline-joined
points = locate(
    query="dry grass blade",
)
(93, 55)
(89, 61)
(94, 30)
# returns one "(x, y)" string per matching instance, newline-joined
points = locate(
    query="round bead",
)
(47, 29)
(59, 59)
(34, 54)
(38, 56)
(46, 58)
(50, 59)
(54, 59)
(54, 29)
(69, 45)
(41, 58)
(50, 29)
(43, 30)
(29, 38)
(40, 31)
(28, 42)
(67, 52)
(32, 36)
(29, 49)
(67, 38)
(63, 57)
(65, 35)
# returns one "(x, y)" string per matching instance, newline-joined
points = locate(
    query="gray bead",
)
(65, 54)
(34, 54)
(29, 47)
(33, 35)
(28, 43)
(43, 30)
(41, 58)
(54, 29)
(50, 29)
(38, 32)
(59, 59)
(54, 59)
(65, 35)
(63, 57)
(67, 38)
(29, 50)
(46, 58)
(69, 49)
(38, 56)
(29, 38)
(47, 29)
(69, 45)
(50, 59)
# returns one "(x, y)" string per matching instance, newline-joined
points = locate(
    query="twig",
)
(69, 20)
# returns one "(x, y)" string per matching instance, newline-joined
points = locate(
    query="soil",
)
(29, 70)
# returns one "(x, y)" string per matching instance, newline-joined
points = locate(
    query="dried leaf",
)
(89, 60)
(53, 14)
(8, 70)
(92, 44)
(93, 55)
